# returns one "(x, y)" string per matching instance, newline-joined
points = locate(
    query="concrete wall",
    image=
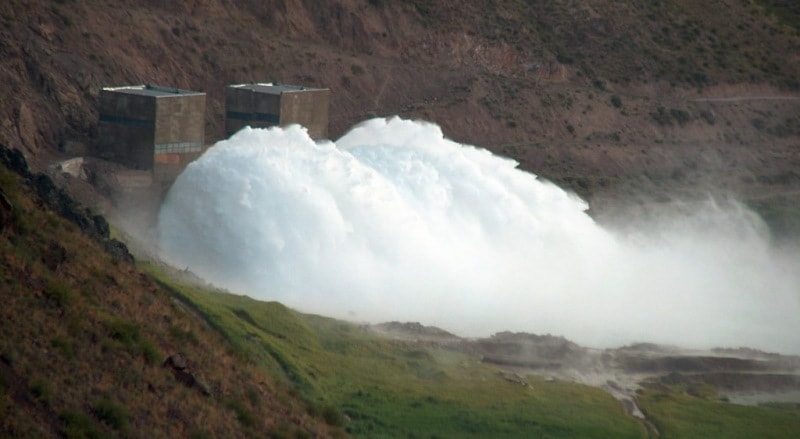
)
(259, 108)
(245, 107)
(126, 132)
(155, 129)
(308, 108)
(180, 118)
(167, 167)
(179, 134)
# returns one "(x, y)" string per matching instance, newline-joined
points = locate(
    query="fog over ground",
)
(395, 222)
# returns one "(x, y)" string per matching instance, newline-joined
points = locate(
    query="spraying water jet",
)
(396, 222)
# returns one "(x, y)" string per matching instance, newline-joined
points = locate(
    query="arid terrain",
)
(615, 100)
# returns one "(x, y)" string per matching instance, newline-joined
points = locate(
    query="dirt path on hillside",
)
(746, 98)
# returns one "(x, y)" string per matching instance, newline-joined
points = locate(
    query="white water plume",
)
(395, 222)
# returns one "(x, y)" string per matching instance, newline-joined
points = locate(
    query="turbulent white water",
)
(395, 222)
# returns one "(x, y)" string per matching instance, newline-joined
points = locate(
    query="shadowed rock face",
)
(529, 350)
(62, 203)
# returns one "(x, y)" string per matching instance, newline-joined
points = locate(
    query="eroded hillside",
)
(599, 95)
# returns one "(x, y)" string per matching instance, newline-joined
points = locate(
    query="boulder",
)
(180, 370)
(176, 362)
(57, 199)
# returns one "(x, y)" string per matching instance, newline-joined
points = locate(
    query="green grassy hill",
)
(378, 387)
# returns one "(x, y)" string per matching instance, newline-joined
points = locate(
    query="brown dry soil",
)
(624, 102)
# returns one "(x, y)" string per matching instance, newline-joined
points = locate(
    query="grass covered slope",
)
(376, 387)
(84, 336)
(379, 387)
(678, 414)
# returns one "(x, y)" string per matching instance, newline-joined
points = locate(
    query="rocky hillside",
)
(93, 348)
(608, 97)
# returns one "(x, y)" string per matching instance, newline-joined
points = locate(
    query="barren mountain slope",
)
(593, 93)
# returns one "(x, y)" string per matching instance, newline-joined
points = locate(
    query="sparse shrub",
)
(59, 292)
(64, 18)
(200, 434)
(53, 220)
(312, 409)
(283, 430)
(564, 59)
(112, 414)
(128, 377)
(357, 69)
(41, 390)
(66, 347)
(423, 9)
(183, 335)
(708, 116)
(253, 396)
(616, 101)
(680, 116)
(76, 425)
(700, 78)
(150, 352)
(789, 127)
(125, 332)
(661, 116)
(332, 416)
(7, 356)
(243, 414)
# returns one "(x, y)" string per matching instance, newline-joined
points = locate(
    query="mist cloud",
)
(395, 222)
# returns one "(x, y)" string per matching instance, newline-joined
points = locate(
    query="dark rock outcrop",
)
(6, 213)
(14, 161)
(57, 199)
(176, 362)
(179, 365)
(528, 350)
